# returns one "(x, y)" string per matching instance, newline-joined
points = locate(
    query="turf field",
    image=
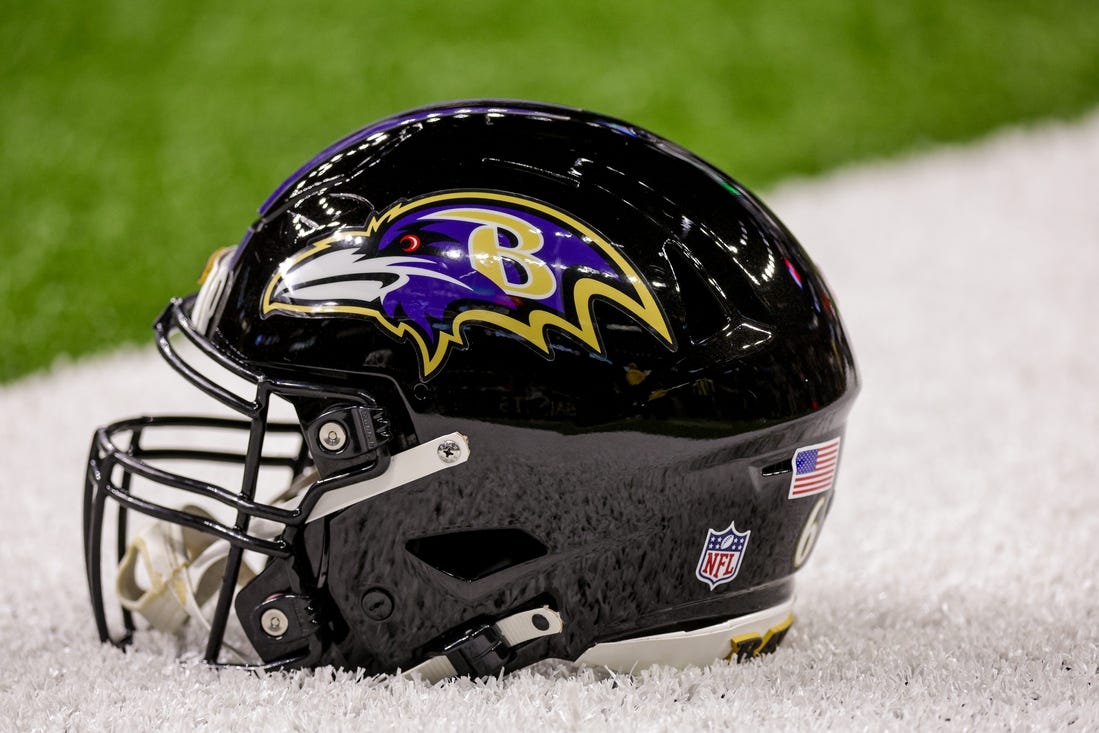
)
(138, 136)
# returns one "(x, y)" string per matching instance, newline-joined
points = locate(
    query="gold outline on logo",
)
(645, 307)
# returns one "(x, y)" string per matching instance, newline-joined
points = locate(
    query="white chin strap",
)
(183, 569)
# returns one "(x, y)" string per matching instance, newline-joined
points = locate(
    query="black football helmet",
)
(557, 388)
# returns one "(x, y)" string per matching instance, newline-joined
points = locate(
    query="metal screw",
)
(274, 622)
(332, 436)
(449, 451)
(377, 604)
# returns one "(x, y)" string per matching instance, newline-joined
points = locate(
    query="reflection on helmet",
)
(553, 387)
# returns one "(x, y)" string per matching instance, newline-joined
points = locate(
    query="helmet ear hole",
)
(476, 554)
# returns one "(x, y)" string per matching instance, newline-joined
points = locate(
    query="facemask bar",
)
(106, 456)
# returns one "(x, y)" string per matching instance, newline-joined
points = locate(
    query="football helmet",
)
(556, 388)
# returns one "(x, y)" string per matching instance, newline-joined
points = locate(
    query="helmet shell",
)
(693, 344)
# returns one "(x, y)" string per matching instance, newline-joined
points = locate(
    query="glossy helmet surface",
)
(560, 389)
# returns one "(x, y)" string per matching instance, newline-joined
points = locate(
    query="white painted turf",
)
(955, 586)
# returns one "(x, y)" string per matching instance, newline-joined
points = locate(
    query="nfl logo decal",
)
(721, 556)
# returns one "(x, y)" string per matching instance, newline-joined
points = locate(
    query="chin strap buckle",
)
(484, 650)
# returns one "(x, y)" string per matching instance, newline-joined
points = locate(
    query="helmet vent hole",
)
(777, 468)
(476, 554)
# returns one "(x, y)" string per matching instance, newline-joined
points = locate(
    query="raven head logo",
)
(423, 269)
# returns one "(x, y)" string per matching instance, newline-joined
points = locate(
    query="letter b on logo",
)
(491, 258)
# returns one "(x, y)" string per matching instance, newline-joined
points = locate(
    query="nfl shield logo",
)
(721, 556)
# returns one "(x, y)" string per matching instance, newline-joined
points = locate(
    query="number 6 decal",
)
(811, 531)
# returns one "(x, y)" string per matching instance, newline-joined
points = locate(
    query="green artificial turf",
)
(135, 137)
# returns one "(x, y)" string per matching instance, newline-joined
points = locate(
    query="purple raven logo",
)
(424, 268)
(721, 555)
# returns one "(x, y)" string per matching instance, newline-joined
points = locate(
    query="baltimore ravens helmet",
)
(498, 382)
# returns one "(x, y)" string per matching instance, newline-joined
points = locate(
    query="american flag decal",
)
(814, 468)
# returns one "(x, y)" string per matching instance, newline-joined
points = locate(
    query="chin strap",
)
(485, 650)
(183, 568)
